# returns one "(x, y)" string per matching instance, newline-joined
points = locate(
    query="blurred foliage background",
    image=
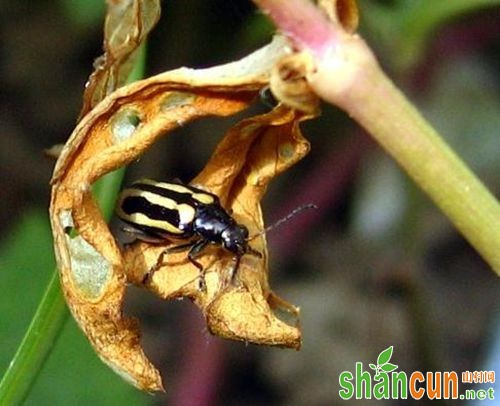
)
(377, 266)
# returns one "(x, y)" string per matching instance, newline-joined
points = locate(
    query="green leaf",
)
(25, 258)
(72, 368)
(84, 14)
(389, 367)
(28, 253)
(373, 366)
(385, 356)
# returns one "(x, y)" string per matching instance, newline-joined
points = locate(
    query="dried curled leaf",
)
(343, 12)
(94, 271)
(251, 154)
(289, 84)
(128, 22)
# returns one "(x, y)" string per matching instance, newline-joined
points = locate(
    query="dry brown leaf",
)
(127, 24)
(94, 272)
(289, 85)
(251, 154)
(343, 12)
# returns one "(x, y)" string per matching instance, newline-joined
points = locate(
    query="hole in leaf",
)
(267, 98)
(66, 219)
(124, 124)
(89, 269)
(177, 99)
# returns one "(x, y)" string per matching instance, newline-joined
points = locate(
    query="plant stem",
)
(393, 121)
(52, 312)
(345, 73)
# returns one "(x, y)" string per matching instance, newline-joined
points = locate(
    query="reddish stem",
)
(302, 22)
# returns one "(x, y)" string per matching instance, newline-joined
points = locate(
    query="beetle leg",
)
(166, 251)
(234, 271)
(193, 252)
(253, 252)
(237, 259)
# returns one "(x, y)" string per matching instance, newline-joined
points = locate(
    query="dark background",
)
(377, 265)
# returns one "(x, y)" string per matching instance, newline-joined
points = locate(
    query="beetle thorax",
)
(214, 224)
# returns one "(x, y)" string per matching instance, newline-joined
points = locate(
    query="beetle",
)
(157, 212)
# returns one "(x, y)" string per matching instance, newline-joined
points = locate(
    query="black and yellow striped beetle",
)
(157, 212)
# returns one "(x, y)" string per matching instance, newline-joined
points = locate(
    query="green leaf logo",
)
(383, 365)
(389, 367)
(385, 356)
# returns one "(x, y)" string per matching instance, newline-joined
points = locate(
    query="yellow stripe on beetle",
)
(156, 211)
(200, 196)
(144, 220)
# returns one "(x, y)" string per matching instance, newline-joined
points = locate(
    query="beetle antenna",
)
(284, 219)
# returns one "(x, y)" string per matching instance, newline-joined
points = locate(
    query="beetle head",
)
(234, 239)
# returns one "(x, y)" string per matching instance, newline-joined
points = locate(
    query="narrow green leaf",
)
(52, 311)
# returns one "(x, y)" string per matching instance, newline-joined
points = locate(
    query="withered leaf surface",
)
(342, 12)
(250, 155)
(127, 24)
(94, 272)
